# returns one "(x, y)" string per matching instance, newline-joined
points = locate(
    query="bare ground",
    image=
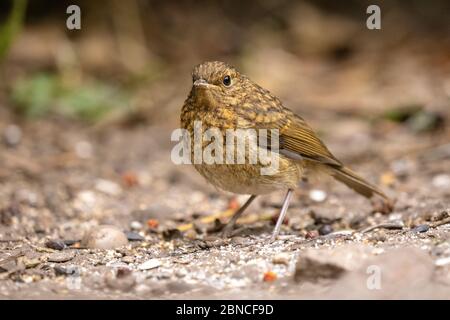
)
(62, 179)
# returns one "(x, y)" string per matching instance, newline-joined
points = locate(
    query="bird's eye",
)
(227, 81)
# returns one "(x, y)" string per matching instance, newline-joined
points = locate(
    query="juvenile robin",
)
(221, 97)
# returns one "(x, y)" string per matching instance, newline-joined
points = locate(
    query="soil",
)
(62, 179)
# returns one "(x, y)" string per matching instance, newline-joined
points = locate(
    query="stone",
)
(404, 273)
(134, 236)
(136, 225)
(325, 229)
(191, 234)
(12, 135)
(421, 228)
(281, 258)
(441, 181)
(149, 264)
(63, 256)
(317, 195)
(104, 237)
(55, 244)
(315, 264)
(442, 262)
(128, 259)
(31, 263)
(108, 187)
(64, 270)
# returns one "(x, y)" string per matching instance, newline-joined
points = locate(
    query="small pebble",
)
(136, 225)
(442, 261)
(152, 223)
(109, 187)
(318, 195)
(61, 256)
(181, 273)
(12, 135)
(190, 234)
(150, 264)
(421, 228)
(128, 259)
(134, 236)
(86, 199)
(325, 229)
(104, 237)
(27, 196)
(378, 236)
(55, 244)
(269, 276)
(130, 179)
(441, 181)
(311, 234)
(31, 263)
(388, 179)
(66, 270)
(401, 167)
(281, 258)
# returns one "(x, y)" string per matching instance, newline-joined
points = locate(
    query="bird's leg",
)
(282, 215)
(230, 225)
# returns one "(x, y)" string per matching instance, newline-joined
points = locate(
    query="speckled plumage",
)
(244, 104)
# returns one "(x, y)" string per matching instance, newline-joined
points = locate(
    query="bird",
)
(221, 97)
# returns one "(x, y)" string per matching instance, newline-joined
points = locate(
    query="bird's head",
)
(216, 82)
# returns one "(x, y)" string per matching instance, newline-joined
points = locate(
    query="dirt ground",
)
(69, 190)
(54, 190)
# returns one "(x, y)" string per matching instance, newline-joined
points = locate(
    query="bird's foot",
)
(227, 231)
(273, 237)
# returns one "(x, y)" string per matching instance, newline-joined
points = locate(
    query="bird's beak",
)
(200, 83)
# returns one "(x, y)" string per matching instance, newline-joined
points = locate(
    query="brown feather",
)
(357, 183)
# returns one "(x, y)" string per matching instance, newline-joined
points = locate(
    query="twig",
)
(440, 223)
(10, 240)
(385, 225)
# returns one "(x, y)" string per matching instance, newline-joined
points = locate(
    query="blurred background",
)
(135, 58)
(86, 115)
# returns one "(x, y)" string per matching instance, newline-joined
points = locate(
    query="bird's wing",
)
(297, 140)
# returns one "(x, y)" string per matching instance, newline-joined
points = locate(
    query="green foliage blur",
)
(42, 94)
(12, 26)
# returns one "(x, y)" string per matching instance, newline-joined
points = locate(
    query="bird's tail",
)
(357, 183)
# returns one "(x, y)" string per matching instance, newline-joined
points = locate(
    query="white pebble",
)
(441, 181)
(136, 225)
(109, 187)
(87, 198)
(317, 195)
(442, 261)
(150, 264)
